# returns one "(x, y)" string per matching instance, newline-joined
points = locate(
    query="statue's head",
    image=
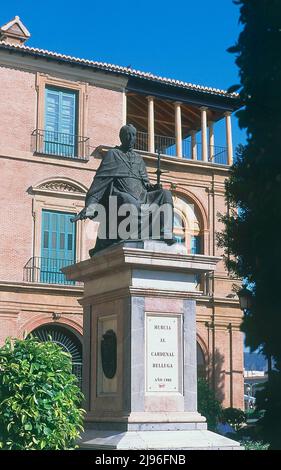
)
(128, 136)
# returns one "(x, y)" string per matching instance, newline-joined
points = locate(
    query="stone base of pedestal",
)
(156, 440)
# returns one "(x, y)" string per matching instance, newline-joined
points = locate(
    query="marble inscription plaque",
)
(163, 353)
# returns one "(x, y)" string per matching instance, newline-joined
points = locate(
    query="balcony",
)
(181, 129)
(167, 146)
(47, 271)
(60, 144)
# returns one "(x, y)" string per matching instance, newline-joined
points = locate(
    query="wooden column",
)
(211, 141)
(204, 133)
(178, 130)
(124, 113)
(193, 145)
(229, 138)
(151, 139)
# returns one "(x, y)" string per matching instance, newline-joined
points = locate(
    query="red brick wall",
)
(17, 109)
(18, 104)
(104, 116)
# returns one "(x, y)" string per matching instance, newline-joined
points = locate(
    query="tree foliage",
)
(39, 397)
(251, 234)
(254, 445)
(269, 401)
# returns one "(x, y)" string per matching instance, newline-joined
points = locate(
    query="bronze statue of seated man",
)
(120, 187)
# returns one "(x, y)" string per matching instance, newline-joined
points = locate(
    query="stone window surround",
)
(61, 201)
(43, 80)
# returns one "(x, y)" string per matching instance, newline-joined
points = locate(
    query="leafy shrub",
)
(254, 445)
(208, 405)
(254, 414)
(235, 417)
(39, 397)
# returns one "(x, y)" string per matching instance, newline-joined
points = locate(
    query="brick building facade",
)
(59, 114)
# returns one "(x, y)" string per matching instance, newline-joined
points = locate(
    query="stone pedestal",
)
(139, 318)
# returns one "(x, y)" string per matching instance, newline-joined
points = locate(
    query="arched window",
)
(201, 364)
(67, 340)
(188, 225)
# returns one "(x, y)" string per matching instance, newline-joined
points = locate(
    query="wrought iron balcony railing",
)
(219, 155)
(142, 141)
(47, 271)
(60, 144)
(167, 146)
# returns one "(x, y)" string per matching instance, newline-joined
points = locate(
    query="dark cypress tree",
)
(252, 235)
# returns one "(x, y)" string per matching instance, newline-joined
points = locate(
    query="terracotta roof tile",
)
(120, 69)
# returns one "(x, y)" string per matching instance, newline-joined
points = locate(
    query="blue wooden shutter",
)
(57, 245)
(195, 244)
(60, 122)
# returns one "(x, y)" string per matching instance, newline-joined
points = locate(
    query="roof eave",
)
(123, 71)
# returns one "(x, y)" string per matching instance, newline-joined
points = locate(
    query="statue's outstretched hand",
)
(80, 216)
(89, 212)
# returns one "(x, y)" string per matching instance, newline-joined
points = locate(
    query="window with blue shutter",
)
(195, 248)
(57, 246)
(60, 122)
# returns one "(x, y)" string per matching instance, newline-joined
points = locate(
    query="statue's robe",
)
(123, 174)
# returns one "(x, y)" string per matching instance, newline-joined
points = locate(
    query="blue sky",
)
(182, 39)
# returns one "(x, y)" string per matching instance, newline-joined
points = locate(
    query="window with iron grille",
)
(67, 340)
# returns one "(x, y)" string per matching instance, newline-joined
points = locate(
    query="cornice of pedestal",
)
(120, 257)
(118, 294)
